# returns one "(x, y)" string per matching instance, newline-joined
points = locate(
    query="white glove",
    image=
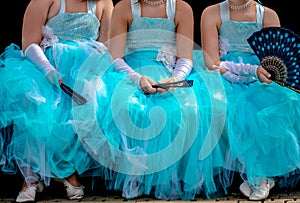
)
(122, 66)
(233, 78)
(182, 69)
(36, 55)
(240, 68)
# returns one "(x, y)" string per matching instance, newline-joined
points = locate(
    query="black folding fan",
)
(80, 100)
(278, 50)
(181, 83)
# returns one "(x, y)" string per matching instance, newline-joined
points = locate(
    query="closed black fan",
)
(80, 100)
(278, 50)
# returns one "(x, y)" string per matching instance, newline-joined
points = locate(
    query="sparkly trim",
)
(49, 39)
(240, 7)
(154, 3)
(167, 55)
(223, 46)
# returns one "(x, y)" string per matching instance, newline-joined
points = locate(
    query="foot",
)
(261, 192)
(27, 194)
(74, 192)
(246, 189)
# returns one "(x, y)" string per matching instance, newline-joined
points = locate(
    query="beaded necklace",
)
(154, 3)
(240, 7)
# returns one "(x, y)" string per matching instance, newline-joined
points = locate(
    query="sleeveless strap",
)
(259, 12)
(91, 6)
(224, 11)
(135, 9)
(62, 6)
(171, 8)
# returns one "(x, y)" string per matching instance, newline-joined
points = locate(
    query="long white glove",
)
(36, 55)
(182, 69)
(240, 68)
(121, 66)
(233, 78)
(239, 72)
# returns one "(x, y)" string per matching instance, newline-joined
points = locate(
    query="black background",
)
(12, 16)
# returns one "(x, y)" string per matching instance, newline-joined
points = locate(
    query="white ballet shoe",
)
(28, 193)
(246, 189)
(261, 192)
(73, 192)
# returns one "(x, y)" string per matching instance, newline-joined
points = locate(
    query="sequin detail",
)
(74, 27)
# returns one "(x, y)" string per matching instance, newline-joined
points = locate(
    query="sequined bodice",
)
(74, 26)
(151, 33)
(233, 35)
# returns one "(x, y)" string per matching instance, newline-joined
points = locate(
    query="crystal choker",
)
(240, 7)
(154, 3)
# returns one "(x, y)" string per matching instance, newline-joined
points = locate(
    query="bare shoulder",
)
(41, 4)
(182, 6)
(123, 4)
(105, 3)
(104, 6)
(122, 8)
(184, 12)
(212, 10)
(270, 18)
(50, 7)
(270, 13)
(211, 16)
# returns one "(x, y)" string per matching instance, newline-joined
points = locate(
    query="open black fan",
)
(278, 50)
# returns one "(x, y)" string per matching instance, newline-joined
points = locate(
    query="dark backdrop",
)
(12, 14)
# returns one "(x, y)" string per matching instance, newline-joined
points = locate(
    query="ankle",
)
(73, 180)
(25, 185)
(74, 192)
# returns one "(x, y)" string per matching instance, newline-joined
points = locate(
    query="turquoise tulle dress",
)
(44, 137)
(263, 118)
(162, 145)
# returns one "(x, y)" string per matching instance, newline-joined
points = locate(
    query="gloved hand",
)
(233, 78)
(122, 66)
(240, 68)
(54, 77)
(182, 69)
(246, 73)
(36, 55)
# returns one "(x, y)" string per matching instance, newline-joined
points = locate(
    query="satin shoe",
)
(246, 189)
(73, 192)
(261, 192)
(28, 193)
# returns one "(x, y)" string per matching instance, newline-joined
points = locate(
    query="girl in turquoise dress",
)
(262, 115)
(162, 141)
(58, 36)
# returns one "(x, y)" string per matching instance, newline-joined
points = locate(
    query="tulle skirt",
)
(44, 139)
(263, 128)
(166, 145)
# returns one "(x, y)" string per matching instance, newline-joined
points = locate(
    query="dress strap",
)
(91, 6)
(62, 6)
(259, 12)
(135, 9)
(224, 11)
(171, 8)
